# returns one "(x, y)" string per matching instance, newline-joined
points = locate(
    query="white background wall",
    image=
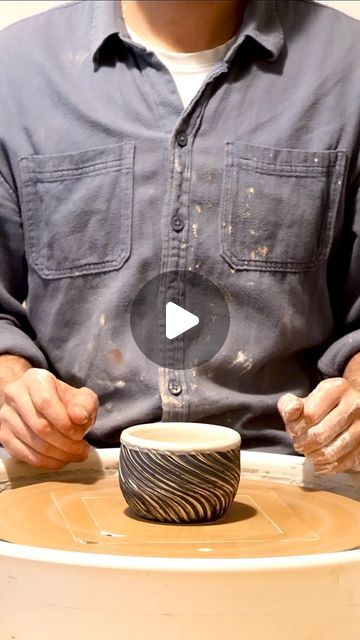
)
(12, 10)
(352, 7)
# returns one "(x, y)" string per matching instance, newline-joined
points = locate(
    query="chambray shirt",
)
(97, 155)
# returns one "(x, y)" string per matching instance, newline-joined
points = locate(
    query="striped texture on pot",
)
(179, 486)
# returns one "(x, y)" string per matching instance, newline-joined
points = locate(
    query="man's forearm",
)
(352, 371)
(11, 369)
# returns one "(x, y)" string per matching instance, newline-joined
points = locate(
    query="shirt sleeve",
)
(346, 292)
(16, 334)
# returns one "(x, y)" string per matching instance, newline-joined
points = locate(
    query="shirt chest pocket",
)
(278, 206)
(77, 210)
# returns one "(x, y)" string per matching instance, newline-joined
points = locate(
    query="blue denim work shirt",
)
(97, 154)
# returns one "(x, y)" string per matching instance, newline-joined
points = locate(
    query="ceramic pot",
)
(179, 472)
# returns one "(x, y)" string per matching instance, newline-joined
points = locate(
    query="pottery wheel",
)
(266, 519)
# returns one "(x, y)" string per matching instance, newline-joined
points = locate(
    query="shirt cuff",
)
(333, 362)
(15, 342)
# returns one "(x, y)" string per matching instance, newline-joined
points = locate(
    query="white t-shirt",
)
(188, 70)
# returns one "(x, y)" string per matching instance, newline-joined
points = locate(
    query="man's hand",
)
(43, 420)
(325, 425)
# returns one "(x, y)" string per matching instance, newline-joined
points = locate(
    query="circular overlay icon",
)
(179, 319)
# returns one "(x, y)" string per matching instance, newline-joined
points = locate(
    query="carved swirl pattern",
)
(179, 487)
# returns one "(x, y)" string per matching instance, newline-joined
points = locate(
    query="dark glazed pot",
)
(179, 472)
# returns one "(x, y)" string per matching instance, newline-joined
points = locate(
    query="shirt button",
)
(182, 139)
(177, 223)
(174, 387)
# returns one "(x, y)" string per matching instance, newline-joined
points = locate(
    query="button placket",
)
(173, 392)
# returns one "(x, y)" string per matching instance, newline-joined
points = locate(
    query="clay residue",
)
(243, 361)
(117, 355)
(259, 252)
(249, 194)
(75, 58)
(120, 384)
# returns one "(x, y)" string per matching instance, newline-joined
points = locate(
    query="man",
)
(145, 137)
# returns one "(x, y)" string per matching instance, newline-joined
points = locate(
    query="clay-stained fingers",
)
(13, 427)
(22, 452)
(81, 405)
(45, 392)
(27, 400)
(291, 410)
(321, 401)
(35, 396)
(348, 462)
(343, 444)
(322, 434)
(290, 407)
(325, 397)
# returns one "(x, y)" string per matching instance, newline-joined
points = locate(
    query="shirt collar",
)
(261, 23)
(106, 22)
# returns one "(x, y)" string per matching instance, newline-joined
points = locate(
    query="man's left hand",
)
(325, 426)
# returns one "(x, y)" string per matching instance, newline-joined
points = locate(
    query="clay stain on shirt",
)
(243, 360)
(259, 252)
(246, 213)
(76, 58)
(117, 355)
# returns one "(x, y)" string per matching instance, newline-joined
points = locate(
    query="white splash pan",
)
(64, 595)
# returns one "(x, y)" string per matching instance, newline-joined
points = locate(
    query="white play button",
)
(178, 320)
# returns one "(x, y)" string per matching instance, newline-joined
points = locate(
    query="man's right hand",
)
(43, 420)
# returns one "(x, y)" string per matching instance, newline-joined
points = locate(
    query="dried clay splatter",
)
(246, 213)
(120, 384)
(259, 252)
(243, 360)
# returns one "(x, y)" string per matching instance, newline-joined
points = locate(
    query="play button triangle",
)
(178, 320)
